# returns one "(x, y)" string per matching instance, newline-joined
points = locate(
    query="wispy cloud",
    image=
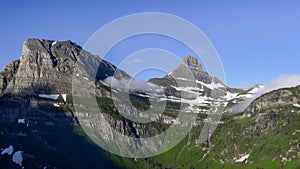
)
(134, 61)
(128, 84)
(282, 81)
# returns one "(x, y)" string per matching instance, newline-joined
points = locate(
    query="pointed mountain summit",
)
(190, 65)
(190, 74)
(192, 62)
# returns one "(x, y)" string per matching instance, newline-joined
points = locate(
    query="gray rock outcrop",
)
(281, 97)
(8, 74)
(47, 66)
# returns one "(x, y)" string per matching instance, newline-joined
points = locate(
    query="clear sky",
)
(256, 40)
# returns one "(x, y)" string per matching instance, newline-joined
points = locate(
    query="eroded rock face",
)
(44, 66)
(2, 83)
(47, 66)
(282, 97)
(7, 74)
(272, 111)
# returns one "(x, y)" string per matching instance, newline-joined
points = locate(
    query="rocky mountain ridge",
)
(47, 67)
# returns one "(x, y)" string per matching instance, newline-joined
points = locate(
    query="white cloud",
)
(134, 61)
(282, 81)
(128, 84)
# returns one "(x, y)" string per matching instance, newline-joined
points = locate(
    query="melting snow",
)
(296, 105)
(197, 101)
(64, 97)
(254, 90)
(17, 157)
(53, 43)
(56, 105)
(8, 150)
(242, 159)
(212, 85)
(248, 96)
(217, 85)
(230, 95)
(49, 96)
(21, 121)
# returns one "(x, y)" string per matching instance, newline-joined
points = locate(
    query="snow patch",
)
(296, 105)
(212, 85)
(230, 95)
(242, 159)
(56, 105)
(9, 150)
(17, 157)
(64, 97)
(21, 121)
(53, 43)
(49, 96)
(247, 96)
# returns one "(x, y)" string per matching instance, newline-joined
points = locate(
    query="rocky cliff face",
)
(47, 66)
(273, 111)
(44, 68)
(274, 99)
(8, 74)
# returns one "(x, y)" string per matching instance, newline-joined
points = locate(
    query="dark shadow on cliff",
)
(50, 136)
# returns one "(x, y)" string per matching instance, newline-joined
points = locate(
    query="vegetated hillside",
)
(265, 136)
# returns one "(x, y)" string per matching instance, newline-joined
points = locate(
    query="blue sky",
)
(256, 40)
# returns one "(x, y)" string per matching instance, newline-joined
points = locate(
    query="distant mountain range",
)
(40, 127)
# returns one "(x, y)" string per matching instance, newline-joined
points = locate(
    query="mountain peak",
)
(47, 66)
(192, 62)
(44, 45)
(189, 65)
